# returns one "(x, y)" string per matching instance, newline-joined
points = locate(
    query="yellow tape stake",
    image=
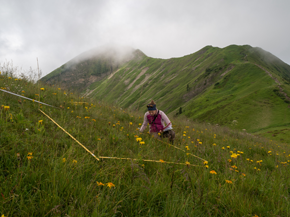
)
(156, 161)
(70, 135)
(180, 149)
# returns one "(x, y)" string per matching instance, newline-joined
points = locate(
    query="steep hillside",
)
(210, 170)
(237, 86)
(91, 66)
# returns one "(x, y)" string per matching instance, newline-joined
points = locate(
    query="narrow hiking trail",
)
(277, 82)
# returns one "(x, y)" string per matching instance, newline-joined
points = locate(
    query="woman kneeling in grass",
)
(159, 123)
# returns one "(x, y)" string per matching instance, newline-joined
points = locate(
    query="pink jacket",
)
(164, 119)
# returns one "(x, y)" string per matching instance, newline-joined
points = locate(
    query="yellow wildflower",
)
(139, 139)
(142, 143)
(42, 89)
(228, 147)
(110, 185)
(200, 142)
(40, 121)
(197, 140)
(187, 163)
(184, 134)
(6, 108)
(229, 182)
(206, 166)
(205, 162)
(29, 156)
(100, 183)
(162, 161)
(223, 148)
(213, 172)
(131, 123)
(187, 148)
(74, 161)
(214, 144)
(229, 160)
(63, 160)
(234, 155)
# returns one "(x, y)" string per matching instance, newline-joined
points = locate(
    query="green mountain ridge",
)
(237, 86)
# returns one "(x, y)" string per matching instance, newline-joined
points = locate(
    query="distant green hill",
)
(238, 86)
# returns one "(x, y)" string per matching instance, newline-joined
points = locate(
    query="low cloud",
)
(57, 31)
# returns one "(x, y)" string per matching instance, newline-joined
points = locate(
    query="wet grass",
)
(43, 172)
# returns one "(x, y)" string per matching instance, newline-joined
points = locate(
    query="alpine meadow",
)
(70, 143)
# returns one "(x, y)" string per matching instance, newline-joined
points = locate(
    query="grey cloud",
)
(57, 31)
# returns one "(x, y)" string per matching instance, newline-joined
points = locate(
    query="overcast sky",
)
(55, 31)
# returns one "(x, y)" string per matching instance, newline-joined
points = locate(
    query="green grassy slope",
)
(212, 85)
(43, 172)
(90, 67)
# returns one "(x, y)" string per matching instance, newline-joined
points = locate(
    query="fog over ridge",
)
(57, 31)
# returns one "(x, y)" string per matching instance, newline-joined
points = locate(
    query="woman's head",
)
(152, 108)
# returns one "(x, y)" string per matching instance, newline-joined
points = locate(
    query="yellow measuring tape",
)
(156, 161)
(70, 135)
(103, 157)
(181, 149)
